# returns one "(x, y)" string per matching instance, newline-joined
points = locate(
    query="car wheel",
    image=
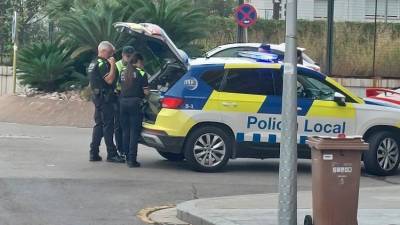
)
(208, 149)
(383, 156)
(175, 157)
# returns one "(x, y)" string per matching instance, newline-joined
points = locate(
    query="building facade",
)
(345, 10)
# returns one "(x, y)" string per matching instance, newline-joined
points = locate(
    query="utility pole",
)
(241, 33)
(375, 34)
(288, 151)
(329, 42)
(15, 41)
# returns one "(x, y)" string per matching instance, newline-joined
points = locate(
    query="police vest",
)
(97, 69)
(132, 84)
(121, 67)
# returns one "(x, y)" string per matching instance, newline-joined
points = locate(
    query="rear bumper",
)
(162, 141)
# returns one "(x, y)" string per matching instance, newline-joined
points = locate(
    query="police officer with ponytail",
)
(134, 88)
(127, 53)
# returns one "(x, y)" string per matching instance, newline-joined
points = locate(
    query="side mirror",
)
(340, 99)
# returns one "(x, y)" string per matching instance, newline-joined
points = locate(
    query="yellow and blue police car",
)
(210, 110)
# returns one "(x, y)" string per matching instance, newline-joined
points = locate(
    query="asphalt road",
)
(46, 179)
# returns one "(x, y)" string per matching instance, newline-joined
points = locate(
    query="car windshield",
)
(308, 59)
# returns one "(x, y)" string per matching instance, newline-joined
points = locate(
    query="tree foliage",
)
(223, 8)
(182, 22)
(88, 27)
(30, 21)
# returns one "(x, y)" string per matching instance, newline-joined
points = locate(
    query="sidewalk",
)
(46, 112)
(377, 206)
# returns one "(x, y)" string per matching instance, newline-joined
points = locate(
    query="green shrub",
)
(45, 66)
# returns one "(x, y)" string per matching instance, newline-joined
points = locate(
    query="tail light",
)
(171, 103)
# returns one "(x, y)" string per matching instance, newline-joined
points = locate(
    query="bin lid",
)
(336, 143)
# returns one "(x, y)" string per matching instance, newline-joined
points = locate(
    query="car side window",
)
(213, 78)
(233, 52)
(249, 81)
(309, 87)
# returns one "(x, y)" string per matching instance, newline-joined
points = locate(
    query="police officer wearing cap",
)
(266, 48)
(102, 73)
(138, 61)
(127, 53)
(134, 88)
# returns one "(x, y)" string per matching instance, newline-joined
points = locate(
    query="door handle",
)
(229, 104)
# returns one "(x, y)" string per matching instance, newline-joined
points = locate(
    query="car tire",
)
(174, 157)
(208, 149)
(383, 156)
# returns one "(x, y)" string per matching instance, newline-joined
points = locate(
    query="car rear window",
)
(250, 81)
(213, 78)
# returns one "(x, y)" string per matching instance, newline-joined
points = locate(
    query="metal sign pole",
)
(240, 30)
(288, 151)
(246, 36)
(386, 10)
(329, 42)
(15, 41)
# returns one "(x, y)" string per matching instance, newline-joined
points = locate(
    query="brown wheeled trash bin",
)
(336, 169)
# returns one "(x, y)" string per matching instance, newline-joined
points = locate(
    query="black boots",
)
(133, 164)
(95, 158)
(115, 159)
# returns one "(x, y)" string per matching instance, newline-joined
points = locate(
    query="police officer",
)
(127, 53)
(266, 48)
(102, 74)
(134, 87)
(138, 61)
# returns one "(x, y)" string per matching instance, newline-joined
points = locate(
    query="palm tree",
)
(88, 27)
(182, 22)
(45, 66)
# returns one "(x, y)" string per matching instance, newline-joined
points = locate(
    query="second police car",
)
(208, 111)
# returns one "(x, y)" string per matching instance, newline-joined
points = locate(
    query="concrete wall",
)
(6, 80)
(305, 10)
(345, 10)
(358, 86)
(264, 8)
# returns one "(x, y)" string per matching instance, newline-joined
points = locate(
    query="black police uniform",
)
(131, 101)
(103, 98)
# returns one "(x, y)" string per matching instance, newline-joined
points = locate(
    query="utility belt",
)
(107, 95)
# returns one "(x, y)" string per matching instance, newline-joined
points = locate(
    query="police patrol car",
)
(208, 111)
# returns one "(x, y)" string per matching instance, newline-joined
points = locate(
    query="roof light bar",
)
(260, 56)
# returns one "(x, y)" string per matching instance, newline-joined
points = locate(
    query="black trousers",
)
(104, 125)
(118, 128)
(131, 123)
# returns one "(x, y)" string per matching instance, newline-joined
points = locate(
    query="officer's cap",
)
(128, 50)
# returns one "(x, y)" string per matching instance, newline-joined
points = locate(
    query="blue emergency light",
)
(260, 56)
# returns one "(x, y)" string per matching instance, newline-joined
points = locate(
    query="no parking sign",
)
(245, 15)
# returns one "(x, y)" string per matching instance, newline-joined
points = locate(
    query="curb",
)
(187, 212)
(143, 214)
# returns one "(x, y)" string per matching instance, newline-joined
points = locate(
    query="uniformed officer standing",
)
(102, 74)
(138, 61)
(134, 87)
(127, 53)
